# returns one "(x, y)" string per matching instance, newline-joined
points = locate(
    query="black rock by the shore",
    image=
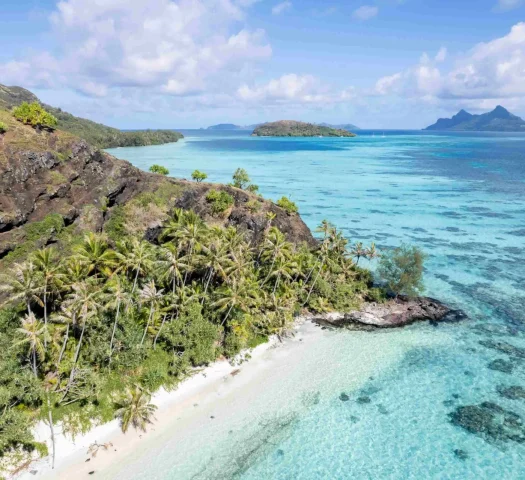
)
(396, 312)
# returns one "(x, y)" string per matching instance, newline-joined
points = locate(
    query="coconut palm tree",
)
(96, 254)
(240, 262)
(323, 256)
(86, 299)
(284, 268)
(358, 251)
(150, 294)
(240, 294)
(22, 284)
(135, 409)
(215, 260)
(32, 332)
(372, 252)
(118, 294)
(173, 264)
(191, 234)
(51, 277)
(48, 385)
(75, 271)
(136, 257)
(326, 228)
(67, 316)
(276, 247)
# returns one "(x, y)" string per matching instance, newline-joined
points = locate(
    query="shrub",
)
(286, 204)
(159, 169)
(253, 205)
(33, 114)
(253, 188)
(198, 176)
(220, 201)
(3, 128)
(241, 178)
(402, 270)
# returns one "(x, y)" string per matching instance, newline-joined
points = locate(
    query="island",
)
(498, 120)
(342, 126)
(96, 134)
(292, 128)
(116, 282)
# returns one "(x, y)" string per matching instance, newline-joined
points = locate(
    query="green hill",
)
(96, 134)
(292, 128)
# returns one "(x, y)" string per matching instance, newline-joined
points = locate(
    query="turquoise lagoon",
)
(355, 405)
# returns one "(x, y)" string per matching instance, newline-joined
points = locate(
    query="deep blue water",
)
(461, 197)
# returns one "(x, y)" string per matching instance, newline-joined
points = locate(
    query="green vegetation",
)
(34, 114)
(3, 128)
(198, 176)
(241, 179)
(290, 128)
(159, 169)
(85, 337)
(402, 270)
(253, 205)
(286, 204)
(219, 200)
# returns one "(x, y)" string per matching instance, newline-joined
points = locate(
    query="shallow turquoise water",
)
(461, 198)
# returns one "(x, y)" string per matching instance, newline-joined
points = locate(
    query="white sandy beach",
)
(214, 391)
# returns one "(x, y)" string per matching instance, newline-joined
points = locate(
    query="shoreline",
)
(72, 455)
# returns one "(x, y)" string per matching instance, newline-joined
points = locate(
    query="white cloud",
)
(508, 4)
(281, 7)
(180, 47)
(489, 73)
(366, 12)
(294, 89)
(441, 56)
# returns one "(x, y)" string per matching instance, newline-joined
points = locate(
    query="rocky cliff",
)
(54, 186)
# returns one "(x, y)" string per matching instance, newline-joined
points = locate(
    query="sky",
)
(192, 63)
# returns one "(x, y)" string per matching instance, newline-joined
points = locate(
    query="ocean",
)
(332, 412)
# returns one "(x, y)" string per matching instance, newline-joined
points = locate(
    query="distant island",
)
(498, 120)
(342, 126)
(96, 134)
(292, 128)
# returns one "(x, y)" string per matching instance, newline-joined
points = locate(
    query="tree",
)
(198, 176)
(402, 270)
(49, 268)
(219, 200)
(159, 169)
(22, 284)
(240, 294)
(137, 257)
(135, 409)
(150, 294)
(96, 254)
(358, 251)
(286, 204)
(32, 331)
(34, 114)
(241, 178)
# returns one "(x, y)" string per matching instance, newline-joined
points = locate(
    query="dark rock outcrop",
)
(394, 313)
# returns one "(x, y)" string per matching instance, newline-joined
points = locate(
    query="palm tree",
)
(67, 316)
(372, 252)
(150, 294)
(240, 262)
(22, 284)
(326, 228)
(135, 409)
(173, 264)
(358, 251)
(137, 257)
(191, 233)
(323, 257)
(118, 294)
(86, 299)
(32, 331)
(276, 247)
(49, 382)
(51, 277)
(96, 254)
(75, 271)
(284, 268)
(216, 261)
(240, 294)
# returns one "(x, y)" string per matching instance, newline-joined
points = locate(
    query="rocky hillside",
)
(292, 128)
(55, 186)
(96, 134)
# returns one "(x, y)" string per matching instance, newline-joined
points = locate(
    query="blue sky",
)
(191, 63)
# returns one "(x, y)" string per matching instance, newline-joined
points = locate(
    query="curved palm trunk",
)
(313, 284)
(35, 371)
(210, 276)
(191, 258)
(276, 283)
(160, 329)
(113, 332)
(136, 280)
(147, 324)
(227, 315)
(50, 420)
(45, 314)
(77, 354)
(63, 349)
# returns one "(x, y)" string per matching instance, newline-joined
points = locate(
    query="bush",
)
(253, 205)
(33, 114)
(159, 169)
(286, 204)
(198, 176)
(220, 201)
(253, 188)
(3, 128)
(402, 270)
(241, 178)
